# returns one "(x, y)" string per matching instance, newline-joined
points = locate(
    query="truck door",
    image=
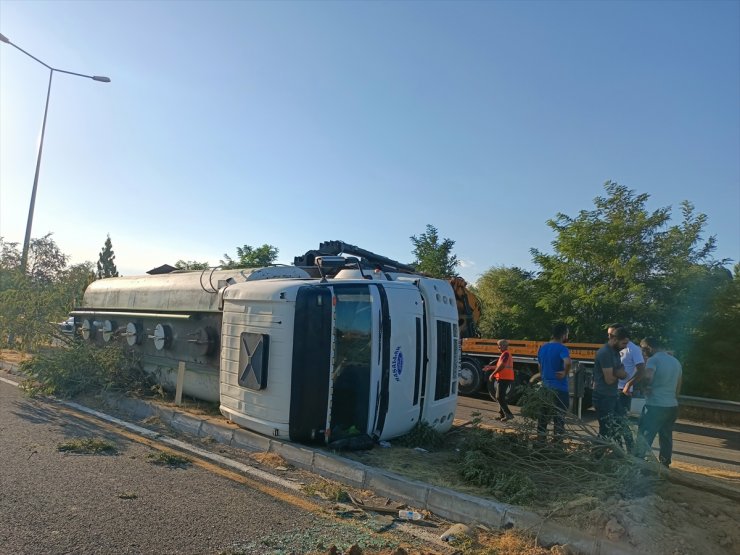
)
(357, 365)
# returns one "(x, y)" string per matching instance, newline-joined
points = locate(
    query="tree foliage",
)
(509, 297)
(251, 257)
(711, 359)
(191, 265)
(621, 262)
(434, 255)
(31, 303)
(106, 261)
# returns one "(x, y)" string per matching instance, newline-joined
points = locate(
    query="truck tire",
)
(470, 377)
(521, 382)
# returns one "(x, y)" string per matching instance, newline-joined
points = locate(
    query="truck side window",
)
(445, 358)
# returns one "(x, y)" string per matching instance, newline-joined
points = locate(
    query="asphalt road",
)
(693, 443)
(53, 502)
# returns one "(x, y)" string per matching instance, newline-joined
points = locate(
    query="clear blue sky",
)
(291, 123)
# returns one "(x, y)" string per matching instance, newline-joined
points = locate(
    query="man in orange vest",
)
(503, 375)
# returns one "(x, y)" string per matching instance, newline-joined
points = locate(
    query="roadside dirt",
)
(684, 510)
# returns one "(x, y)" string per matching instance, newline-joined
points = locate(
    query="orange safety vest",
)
(506, 370)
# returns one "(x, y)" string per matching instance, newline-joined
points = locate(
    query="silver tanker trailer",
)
(310, 359)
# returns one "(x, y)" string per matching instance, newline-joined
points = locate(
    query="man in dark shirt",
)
(608, 370)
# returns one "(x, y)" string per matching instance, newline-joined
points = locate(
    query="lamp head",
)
(4, 38)
(101, 78)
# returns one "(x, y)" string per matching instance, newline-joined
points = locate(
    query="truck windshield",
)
(352, 361)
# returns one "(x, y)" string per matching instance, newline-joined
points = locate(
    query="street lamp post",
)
(27, 239)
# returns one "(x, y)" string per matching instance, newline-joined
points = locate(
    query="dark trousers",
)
(624, 434)
(503, 388)
(657, 420)
(606, 412)
(554, 411)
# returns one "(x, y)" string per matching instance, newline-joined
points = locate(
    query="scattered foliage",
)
(422, 435)
(519, 468)
(164, 458)
(87, 446)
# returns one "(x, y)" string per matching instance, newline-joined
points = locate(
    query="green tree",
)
(434, 256)
(106, 261)
(45, 260)
(250, 257)
(31, 303)
(191, 265)
(710, 363)
(509, 297)
(621, 262)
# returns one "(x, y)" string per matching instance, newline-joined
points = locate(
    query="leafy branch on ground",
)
(165, 458)
(517, 467)
(422, 435)
(87, 446)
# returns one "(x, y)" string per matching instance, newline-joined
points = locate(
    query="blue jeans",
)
(657, 420)
(555, 412)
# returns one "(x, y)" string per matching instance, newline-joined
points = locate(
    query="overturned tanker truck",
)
(313, 354)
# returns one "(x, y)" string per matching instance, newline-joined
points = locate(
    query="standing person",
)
(503, 377)
(633, 362)
(608, 370)
(663, 375)
(553, 360)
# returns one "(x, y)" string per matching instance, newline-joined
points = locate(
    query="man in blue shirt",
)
(553, 360)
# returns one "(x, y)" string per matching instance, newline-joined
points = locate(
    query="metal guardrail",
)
(714, 404)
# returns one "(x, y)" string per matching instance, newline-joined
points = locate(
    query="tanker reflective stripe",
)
(310, 371)
(254, 356)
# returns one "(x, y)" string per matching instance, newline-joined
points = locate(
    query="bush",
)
(82, 368)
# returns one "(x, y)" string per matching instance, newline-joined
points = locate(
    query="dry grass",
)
(13, 357)
(273, 460)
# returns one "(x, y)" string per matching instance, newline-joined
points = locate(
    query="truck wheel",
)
(470, 377)
(521, 382)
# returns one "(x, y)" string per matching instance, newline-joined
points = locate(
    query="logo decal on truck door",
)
(397, 364)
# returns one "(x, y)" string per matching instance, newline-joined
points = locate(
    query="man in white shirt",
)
(633, 361)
